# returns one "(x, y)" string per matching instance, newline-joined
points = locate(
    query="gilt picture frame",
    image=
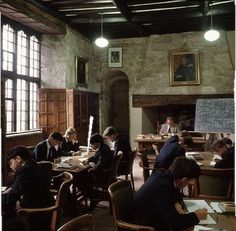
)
(115, 57)
(184, 67)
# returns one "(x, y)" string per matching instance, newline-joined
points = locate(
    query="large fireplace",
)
(155, 109)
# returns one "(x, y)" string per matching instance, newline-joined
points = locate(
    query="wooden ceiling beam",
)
(38, 14)
(128, 15)
(97, 20)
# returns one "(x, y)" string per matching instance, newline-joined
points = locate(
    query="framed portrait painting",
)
(184, 67)
(115, 57)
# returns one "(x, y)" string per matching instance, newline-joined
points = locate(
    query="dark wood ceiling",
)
(134, 18)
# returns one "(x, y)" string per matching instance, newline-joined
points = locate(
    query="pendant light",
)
(211, 35)
(101, 41)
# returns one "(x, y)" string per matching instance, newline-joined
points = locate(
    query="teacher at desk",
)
(169, 127)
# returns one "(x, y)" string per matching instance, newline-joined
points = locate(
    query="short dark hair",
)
(110, 131)
(169, 118)
(96, 138)
(56, 136)
(183, 167)
(188, 141)
(228, 141)
(218, 144)
(20, 151)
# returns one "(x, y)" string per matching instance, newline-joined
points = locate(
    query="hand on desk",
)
(201, 214)
(180, 209)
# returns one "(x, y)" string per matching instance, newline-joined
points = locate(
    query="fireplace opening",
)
(154, 117)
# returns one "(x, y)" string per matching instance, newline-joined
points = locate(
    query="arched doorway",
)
(119, 113)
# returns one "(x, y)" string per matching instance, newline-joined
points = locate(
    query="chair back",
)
(121, 194)
(121, 197)
(145, 164)
(114, 167)
(61, 198)
(55, 211)
(127, 168)
(82, 223)
(45, 170)
(220, 181)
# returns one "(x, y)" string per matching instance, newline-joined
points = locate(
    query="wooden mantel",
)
(162, 100)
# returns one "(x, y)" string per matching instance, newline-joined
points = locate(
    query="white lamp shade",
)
(211, 35)
(101, 42)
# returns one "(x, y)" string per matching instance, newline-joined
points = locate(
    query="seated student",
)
(102, 160)
(69, 142)
(226, 153)
(173, 147)
(157, 202)
(121, 144)
(30, 188)
(48, 149)
(169, 127)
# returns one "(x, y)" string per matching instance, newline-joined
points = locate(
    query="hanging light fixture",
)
(211, 35)
(101, 41)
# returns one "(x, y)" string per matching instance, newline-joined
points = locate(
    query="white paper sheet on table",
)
(200, 228)
(208, 221)
(193, 205)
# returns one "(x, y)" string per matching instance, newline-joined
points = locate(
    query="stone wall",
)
(145, 64)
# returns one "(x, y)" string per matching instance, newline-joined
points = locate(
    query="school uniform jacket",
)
(169, 152)
(154, 204)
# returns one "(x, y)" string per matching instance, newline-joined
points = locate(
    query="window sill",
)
(24, 133)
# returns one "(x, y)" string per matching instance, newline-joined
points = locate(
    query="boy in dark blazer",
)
(48, 150)
(158, 203)
(29, 187)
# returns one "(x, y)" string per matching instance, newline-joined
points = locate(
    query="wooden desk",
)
(159, 141)
(76, 169)
(225, 221)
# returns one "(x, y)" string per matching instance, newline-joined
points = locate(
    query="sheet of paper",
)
(200, 228)
(208, 221)
(193, 205)
(215, 206)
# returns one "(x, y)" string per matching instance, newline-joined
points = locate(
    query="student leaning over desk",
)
(158, 203)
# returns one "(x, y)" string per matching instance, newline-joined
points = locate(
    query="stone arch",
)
(108, 80)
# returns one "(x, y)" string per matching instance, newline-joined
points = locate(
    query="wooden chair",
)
(84, 222)
(215, 184)
(56, 210)
(146, 164)
(111, 176)
(112, 172)
(127, 168)
(121, 197)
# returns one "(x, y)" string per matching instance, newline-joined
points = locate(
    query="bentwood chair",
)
(81, 223)
(127, 168)
(215, 184)
(121, 197)
(27, 215)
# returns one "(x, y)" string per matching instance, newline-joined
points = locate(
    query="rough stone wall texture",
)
(146, 63)
(58, 61)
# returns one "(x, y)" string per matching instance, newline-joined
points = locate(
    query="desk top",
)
(72, 164)
(159, 139)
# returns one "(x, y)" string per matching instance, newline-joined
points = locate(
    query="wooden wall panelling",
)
(80, 105)
(52, 110)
